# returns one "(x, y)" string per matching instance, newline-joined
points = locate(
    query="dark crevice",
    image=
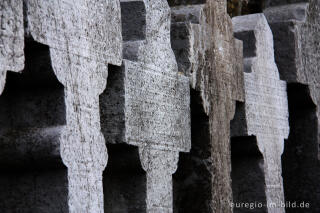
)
(248, 180)
(32, 113)
(124, 181)
(300, 164)
(192, 181)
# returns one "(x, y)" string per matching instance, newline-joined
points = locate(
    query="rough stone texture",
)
(296, 35)
(83, 38)
(212, 59)
(147, 105)
(266, 104)
(11, 38)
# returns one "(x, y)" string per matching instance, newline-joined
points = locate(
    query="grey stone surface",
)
(11, 38)
(296, 36)
(83, 38)
(266, 104)
(147, 105)
(212, 58)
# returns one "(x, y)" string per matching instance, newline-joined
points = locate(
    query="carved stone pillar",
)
(207, 52)
(83, 37)
(266, 104)
(150, 105)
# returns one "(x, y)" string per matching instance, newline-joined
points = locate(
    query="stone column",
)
(159, 165)
(82, 145)
(266, 105)
(83, 38)
(153, 103)
(213, 60)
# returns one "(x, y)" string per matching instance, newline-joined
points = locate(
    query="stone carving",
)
(11, 38)
(149, 105)
(207, 51)
(84, 37)
(266, 106)
(296, 36)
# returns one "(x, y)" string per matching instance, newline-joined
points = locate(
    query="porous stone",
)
(266, 104)
(11, 38)
(83, 37)
(296, 36)
(207, 52)
(148, 103)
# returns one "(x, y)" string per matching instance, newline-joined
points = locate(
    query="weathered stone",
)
(209, 54)
(11, 38)
(147, 105)
(296, 36)
(83, 38)
(266, 105)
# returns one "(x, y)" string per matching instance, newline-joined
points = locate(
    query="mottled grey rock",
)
(83, 38)
(296, 36)
(207, 52)
(266, 104)
(148, 104)
(11, 38)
